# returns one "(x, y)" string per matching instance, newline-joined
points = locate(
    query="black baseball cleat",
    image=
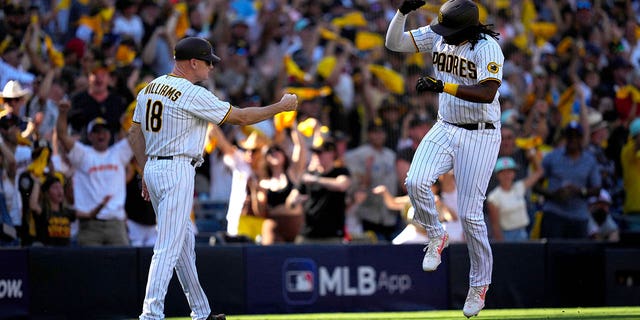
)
(217, 317)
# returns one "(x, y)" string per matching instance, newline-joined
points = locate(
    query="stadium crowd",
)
(70, 71)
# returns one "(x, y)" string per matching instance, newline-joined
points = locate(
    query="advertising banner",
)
(14, 283)
(342, 278)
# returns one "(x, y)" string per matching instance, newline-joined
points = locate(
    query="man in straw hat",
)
(14, 97)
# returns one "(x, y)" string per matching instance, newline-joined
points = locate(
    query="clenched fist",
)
(290, 101)
(428, 83)
(410, 5)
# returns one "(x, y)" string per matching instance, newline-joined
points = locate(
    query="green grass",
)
(615, 313)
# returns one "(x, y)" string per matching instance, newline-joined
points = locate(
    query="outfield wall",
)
(108, 283)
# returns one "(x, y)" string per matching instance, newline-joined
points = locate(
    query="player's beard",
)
(455, 39)
(459, 37)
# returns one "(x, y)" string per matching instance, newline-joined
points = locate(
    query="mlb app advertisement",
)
(343, 278)
(14, 285)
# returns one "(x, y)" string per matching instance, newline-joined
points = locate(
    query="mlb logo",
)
(299, 279)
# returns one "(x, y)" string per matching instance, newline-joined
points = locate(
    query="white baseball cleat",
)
(434, 250)
(475, 301)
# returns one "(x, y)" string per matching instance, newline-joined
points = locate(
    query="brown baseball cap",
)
(195, 48)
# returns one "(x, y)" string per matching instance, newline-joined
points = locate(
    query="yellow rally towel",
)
(353, 19)
(368, 40)
(294, 70)
(544, 30)
(125, 55)
(308, 93)
(528, 143)
(183, 23)
(55, 56)
(529, 13)
(416, 59)
(307, 127)
(328, 34)
(627, 90)
(392, 80)
(326, 66)
(284, 120)
(250, 226)
(38, 165)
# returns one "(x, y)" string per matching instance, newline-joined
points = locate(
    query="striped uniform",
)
(173, 114)
(471, 153)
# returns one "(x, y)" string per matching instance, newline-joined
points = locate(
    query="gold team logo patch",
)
(440, 17)
(493, 67)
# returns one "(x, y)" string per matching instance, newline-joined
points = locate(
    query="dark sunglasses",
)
(209, 63)
(9, 100)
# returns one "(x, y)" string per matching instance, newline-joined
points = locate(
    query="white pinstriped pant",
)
(171, 186)
(472, 154)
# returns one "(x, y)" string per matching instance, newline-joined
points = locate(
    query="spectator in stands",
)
(127, 22)
(52, 216)
(99, 181)
(391, 115)
(322, 192)
(508, 148)
(246, 215)
(283, 172)
(630, 158)
(38, 168)
(42, 107)
(11, 62)
(14, 98)
(572, 176)
(99, 100)
(157, 54)
(599, 133)
(370, 165)
(8, 233)
(21, 153)
(601, 224)
(507, 202)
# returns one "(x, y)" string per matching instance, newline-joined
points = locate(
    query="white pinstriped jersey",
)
(173, 114)
(461, 65)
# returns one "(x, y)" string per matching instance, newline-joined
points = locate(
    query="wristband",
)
(450, 88)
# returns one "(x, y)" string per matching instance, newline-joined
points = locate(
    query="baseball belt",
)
(193, 161)
(474, 126)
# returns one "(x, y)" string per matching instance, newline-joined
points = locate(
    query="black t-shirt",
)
(138, 209)
(85, 108)
(278, 197)
(53, 228)
(325, 209)
(406, 154)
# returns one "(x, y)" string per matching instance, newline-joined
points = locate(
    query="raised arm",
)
(62, 127)
(397, 39)
(340, 183)
(34, 197)
(251, 115)
(299, 154)
(222, 142)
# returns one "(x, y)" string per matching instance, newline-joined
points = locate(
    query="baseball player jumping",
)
(168, 136)
(467, 62)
